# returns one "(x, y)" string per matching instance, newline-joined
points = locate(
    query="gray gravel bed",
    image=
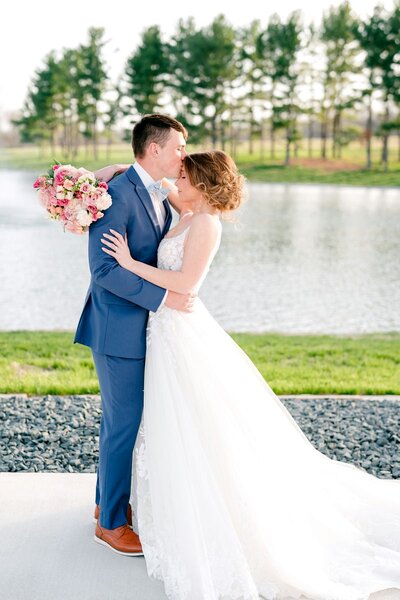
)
(60, 433)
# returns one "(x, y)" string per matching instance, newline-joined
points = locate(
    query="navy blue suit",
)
(113, 323)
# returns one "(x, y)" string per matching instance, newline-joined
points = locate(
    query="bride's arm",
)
(173, 196)
(108, 172)
(199, 245)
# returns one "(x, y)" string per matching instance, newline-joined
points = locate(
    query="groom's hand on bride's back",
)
(183, 302)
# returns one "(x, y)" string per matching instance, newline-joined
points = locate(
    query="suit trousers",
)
(121, 388)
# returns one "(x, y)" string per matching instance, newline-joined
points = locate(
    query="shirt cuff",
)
(163, 300)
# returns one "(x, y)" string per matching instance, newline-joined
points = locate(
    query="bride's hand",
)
(107, 173)
(118, 248)
(173, 196)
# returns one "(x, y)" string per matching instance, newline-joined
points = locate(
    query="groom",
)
(114, 318)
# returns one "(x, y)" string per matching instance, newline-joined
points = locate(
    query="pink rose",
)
(59, 179)
(103, 185)
(68, 184)
(85, 188)
(74, 227)
(55, 167)
(40, 182)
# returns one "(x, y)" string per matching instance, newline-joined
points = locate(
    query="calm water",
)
(299, 259)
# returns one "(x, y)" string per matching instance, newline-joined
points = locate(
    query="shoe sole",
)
(103, 543)
(95, 522)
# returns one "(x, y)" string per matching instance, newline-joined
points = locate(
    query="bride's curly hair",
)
(216, 176)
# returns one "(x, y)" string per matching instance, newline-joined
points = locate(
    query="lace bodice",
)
(170, 253)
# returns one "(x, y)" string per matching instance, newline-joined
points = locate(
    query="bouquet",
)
(73, 196)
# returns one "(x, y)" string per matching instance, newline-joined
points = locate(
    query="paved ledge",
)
(393, 397)
(340, 397)
(47, 550)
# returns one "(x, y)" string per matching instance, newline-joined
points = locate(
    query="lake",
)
(297, 259)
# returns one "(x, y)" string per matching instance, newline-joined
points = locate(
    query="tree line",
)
(255, 83)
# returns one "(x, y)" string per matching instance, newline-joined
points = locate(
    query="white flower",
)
(68, 184)
(85, 175)
(83, 218)
(104, 201)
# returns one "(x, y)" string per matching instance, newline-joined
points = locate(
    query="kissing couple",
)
(201, 468)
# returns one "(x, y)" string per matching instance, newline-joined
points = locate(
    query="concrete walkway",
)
(47, 550)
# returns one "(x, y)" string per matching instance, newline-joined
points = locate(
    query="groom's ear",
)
(153, 149)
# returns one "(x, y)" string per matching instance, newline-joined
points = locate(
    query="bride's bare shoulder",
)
(204, 229)
(206, 221)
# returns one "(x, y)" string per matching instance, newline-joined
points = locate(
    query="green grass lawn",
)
(49, 363)
(348, 171)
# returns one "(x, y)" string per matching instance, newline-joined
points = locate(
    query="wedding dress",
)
(231, 500)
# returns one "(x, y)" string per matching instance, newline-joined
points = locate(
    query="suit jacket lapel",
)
(145, 199)
(168, 217)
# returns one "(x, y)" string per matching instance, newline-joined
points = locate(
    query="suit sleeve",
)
(105, 270)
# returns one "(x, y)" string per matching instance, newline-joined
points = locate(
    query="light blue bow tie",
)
(157, 187)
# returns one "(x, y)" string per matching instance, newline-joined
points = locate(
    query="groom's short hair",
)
(153, 128)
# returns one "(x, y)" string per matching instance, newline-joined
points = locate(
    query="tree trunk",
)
(251, 129)
(385, 139)
(94, 133)
(64, 132)
(261, 139)
(108, 146)
(310, 136)
(339, 134)
(287, 152)
(214, 135)
(222, 134)
(368, 134)
(324, 135)
(398, 145)
(272, 139)
(335, 134)
(52, 142)
(231, 132)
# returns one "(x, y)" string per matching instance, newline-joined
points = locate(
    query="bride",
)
(231, 501)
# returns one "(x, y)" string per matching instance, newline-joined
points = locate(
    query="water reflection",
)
(299, 258)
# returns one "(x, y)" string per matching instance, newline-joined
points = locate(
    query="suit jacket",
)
(115, 312)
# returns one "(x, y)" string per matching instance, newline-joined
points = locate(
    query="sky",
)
(31, 30)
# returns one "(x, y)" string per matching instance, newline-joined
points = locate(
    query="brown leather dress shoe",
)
(121, 540)
(128, 515)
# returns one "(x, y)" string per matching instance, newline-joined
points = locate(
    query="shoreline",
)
(251, 180)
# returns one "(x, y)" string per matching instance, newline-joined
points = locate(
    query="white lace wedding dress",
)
(231, 499)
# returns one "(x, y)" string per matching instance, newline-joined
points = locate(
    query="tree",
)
(337, 32)
(146, 72)
(39, 119)
(92, 77)
(371, 36)
(252, 80)
(310, 76)
(390, 60)
(204, 68)
(280, 45)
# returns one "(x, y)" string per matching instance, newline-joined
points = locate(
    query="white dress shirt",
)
(156, 200)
